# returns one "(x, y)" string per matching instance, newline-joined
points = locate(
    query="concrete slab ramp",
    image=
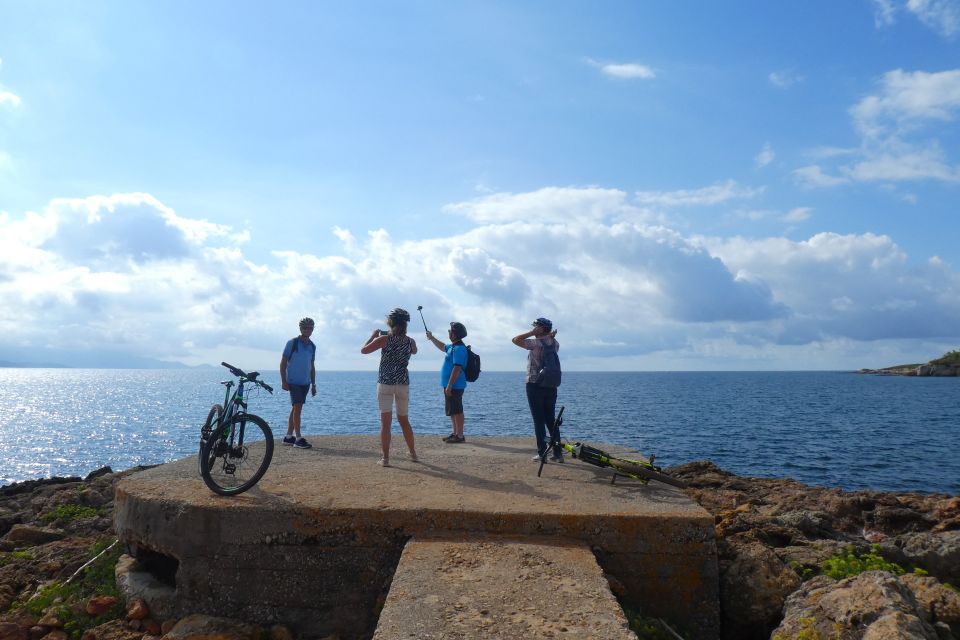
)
(317, 542)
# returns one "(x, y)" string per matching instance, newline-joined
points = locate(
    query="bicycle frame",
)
(641, 470)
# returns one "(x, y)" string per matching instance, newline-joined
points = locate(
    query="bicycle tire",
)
(214, 415)
(631, 468)
(230, 468)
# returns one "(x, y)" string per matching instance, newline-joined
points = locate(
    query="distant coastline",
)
(946, 366)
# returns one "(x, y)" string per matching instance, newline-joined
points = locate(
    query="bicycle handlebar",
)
(250, 377)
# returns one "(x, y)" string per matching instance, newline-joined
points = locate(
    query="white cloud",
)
(920, 164)
(8, 98)
(784, 78)
(813, 176)
(624, 70)
(714, 194)
(551, 204)
(884, 12)
(798, 214)
(908, 100)
(765, 157)
(617, 285)
(942, 16)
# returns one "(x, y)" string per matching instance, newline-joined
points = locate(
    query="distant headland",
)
(947, 365)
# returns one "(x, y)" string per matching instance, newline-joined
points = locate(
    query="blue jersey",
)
(300, 358)
(456, 355)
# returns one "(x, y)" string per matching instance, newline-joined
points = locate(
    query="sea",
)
(834, 429)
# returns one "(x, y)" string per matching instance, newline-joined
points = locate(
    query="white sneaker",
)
(383, 462)
(537, 459)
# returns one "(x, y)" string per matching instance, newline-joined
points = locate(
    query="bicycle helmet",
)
(306, 322)
(458, 330)
(399, 314)
(543, 322)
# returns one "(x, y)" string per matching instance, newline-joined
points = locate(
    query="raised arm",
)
(436, 343)
(374, 342)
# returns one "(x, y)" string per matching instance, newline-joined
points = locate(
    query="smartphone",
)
(383, 333)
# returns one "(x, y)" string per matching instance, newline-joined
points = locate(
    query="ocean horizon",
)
(826, 428)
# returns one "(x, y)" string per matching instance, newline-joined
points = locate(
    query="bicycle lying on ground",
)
(235, 446)
(641, 470)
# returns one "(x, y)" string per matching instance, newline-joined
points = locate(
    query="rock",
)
(99, 605)
(754, 583)
(12, 631)
(113, 630)
(937, 553)
(812, 523)
(98, 473)
(281, 632)
(198, 626)
(167, 625)
(940, 603)
(50, 620)
(29, 534)
(874, 605)
(152, 627)
(137, 609)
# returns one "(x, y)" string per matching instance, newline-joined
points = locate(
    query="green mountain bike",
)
(641, 470)
(236, 447)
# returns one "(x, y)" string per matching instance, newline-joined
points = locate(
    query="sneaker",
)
(557, 457)
(450, 438)
(302, 444)
(537, 458)
(384, 462)
(413, 456)
(289, 440)
(455, 438)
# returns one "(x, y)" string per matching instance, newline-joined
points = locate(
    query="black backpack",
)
(550, 367)
(472, 370)
(296, 347)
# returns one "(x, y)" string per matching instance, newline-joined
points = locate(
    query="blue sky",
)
(678, 185)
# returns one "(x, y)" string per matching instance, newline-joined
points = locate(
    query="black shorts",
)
(298, 393)
(453, 403)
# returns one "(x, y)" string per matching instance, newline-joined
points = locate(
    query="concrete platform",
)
(316, 543)
(500, 589)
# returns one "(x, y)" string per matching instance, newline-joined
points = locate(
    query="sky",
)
(678, 185)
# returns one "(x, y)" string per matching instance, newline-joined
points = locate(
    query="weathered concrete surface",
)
(500, 589)
(316, 543)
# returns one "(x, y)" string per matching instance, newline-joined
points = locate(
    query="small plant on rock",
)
(848, 563)
(69, 512)
(65, 600)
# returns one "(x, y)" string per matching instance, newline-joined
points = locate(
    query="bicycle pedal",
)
(230, 469)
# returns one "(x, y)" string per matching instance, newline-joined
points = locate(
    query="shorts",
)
(386, 394)
(453, 403)
(298, 393)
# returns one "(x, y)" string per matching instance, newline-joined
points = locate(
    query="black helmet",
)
(543, 322)
(458, 330)
(399, 314)
(306, 322)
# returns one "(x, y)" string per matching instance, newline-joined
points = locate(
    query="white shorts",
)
(386, 394)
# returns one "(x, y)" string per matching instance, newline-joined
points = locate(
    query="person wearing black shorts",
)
(298, 376)
(453, 379)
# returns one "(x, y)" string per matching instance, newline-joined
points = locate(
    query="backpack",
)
(472, 370)
(550, 367)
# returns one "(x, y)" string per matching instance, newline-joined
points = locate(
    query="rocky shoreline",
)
(777, 539)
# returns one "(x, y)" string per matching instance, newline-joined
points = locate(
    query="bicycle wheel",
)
(631, 468)
(238, 458)
(205, 431)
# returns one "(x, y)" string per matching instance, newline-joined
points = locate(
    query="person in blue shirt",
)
(298, 376)
(452, 377)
